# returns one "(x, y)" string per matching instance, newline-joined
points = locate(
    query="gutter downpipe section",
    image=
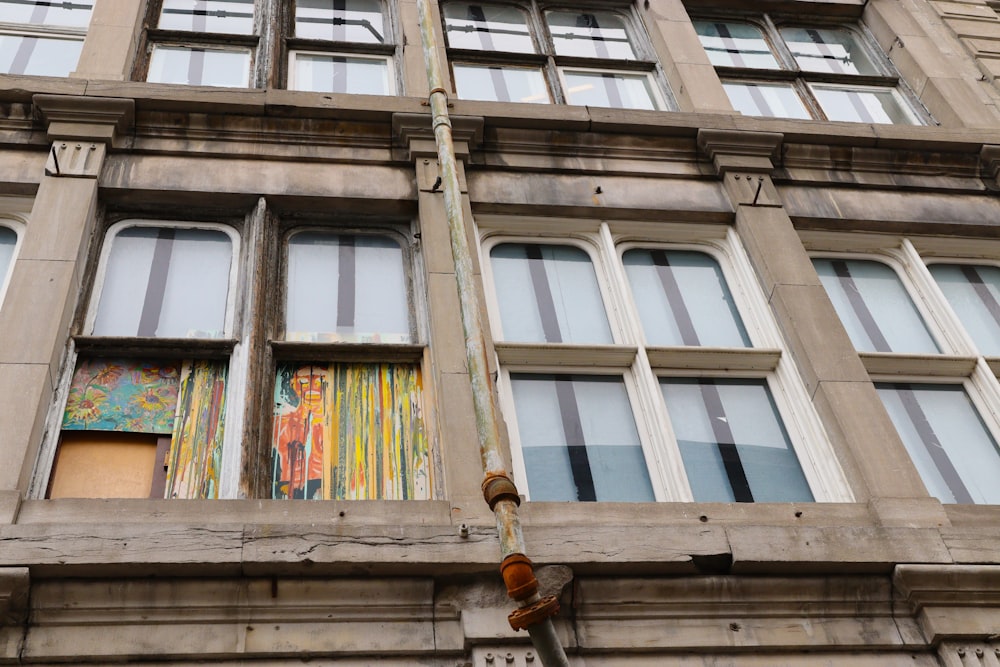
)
(534, 612)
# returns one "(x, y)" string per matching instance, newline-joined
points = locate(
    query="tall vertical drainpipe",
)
(534, 612)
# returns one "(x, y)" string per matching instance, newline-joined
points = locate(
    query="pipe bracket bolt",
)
(497, 487)
(521, 619)
(519, 576)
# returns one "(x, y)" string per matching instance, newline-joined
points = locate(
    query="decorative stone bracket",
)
(416, 134)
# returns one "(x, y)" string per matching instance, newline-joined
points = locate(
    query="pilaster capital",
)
(83, 118)
(415, 132)
(745, 151)
(989, 157)
(14, 584)
(952, 601)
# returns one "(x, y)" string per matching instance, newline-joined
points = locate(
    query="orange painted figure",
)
(300, 425)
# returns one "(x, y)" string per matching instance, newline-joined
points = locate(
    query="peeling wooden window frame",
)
(86, 345)
(281, 351)
(271, 44)
(801, 81)
(551, 65)
(641, 366)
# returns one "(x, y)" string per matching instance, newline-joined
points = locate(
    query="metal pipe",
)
(534, 613)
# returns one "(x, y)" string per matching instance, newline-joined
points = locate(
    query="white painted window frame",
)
(388, 60)
(959, 363)
(629, 358)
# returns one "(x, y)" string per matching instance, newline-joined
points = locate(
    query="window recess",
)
(146, 406)
(349, 418)
(317, 45)
(631, 370)
(782, 69)
(524, 53)
(42, 37)
(924, 316)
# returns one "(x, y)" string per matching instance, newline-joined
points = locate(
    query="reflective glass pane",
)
(609, 89)
(732, 441)
(234, 17)
(70, 14)
(200, 66)
(548, 294)
(731, 44)
(874, 306)
(974, 293)
(166, 282)
(683, 299)
(833, 50)
(590, 34)
(343, 287)
(578, 439)
(500, 84)
(863, 105)
(340, 20)
(774, 100)
(38, 56)
(323, 73)
(487, 28)
(8, 241)
(955, 455)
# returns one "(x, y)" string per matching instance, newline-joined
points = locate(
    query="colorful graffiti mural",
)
(195, 458)
(185, 400)
(349, 431)
(122, 395)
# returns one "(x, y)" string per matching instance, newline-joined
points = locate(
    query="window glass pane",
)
(548, 294)
(487, 28)
(38, 56)
(8, 241)
(349, 431)
(500, 84)
(732, 441)
(233, 17)
(874, 306)
(774, 100)
(590, 34)
(343, 287)
(341, 74)
(735, 45)
(71, 14)
(833, 50)
(870, 105)
(200, 66)
(578, 439)
(974, 294)
(957, 458)
(340, 20)
(609, 89)
(166, 282)
(683, 299)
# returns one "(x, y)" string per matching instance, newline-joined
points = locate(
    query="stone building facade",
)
(739, 268)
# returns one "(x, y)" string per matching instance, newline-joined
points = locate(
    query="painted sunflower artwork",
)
(123, 395)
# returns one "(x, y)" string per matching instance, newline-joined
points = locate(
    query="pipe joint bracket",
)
(523, 618)
(497, 487)
(519, 576)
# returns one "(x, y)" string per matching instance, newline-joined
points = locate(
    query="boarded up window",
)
(116, 413)
(349, 431)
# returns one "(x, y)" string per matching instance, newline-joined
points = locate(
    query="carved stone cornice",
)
(753, 152)
(82, 118)
(952, 601)
(416, 134)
